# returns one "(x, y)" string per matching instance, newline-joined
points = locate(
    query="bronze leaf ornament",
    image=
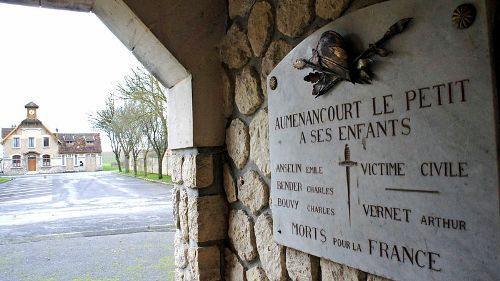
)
(332, 63)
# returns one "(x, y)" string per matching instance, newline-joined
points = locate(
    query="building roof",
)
(79, 143)
(6, 131)
(31, 105)
(28, 122)
(31, 121)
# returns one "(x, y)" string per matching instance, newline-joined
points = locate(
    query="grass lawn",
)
(109, 167)
(2, 180)
(151, 176)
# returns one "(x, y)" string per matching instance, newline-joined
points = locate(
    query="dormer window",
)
(90, 142)
(69, 142)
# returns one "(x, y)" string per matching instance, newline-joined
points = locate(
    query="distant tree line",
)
(134, 119)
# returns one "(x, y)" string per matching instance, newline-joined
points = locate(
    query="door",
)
(90, 164)
(31, 163)
(69, 163)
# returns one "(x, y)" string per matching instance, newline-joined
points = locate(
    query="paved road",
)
(104, 219)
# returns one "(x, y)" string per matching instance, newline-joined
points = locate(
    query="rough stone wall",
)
(50, 170)
(8, 169)
(200, 213)
(259, 35)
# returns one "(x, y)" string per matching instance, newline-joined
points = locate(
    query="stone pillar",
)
(200, 213)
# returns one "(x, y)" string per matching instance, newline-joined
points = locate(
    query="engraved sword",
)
(347, 163)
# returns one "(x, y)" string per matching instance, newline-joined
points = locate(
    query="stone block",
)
(247, 91)
(235, 49)
(189, 274)
(256, 274)
(293, 16)
(179, 274)
(79, 5)
(331, 9)
(207, 218)
(260, 27)
(253, 191)
(239, 7)
(183, 214)
(334, 271)
(198, 170)
(241, 235)
(177, 168)
(181, 115)
(238, 142)
(301, 266)
(204, 263)
(229, 184)
(275, 53)
(176, 195)
(259, 142)
(234, 271)
(181, 250)
(189, 171)
(227, 95)
(272, 255)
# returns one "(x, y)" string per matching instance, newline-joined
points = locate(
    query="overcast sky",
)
(66, 62)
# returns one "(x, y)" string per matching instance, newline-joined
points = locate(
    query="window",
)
(76, 160)
(16, 143)
(46, 142)
(46, 160)
(63, 160)
(31, 142)
(69, 141)
(89, 142)
(16, 161)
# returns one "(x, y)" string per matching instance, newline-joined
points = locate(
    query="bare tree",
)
(157, 138)
(104, 120)
(146, 147)
(128, 127)
(142, 87)
(136, 139)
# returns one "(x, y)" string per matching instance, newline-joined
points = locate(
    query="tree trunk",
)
(117, 158)
(160, 167)
(127, 163)
(134, 158)
(146, 164)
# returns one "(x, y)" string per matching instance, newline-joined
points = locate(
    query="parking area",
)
(104, 223)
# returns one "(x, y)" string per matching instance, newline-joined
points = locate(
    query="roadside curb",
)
(51, 174)
(106, 232)
(150, 180)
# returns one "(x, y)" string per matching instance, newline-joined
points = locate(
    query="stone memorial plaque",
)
(399, 177)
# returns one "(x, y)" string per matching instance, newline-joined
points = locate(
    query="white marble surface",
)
(458, 136)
